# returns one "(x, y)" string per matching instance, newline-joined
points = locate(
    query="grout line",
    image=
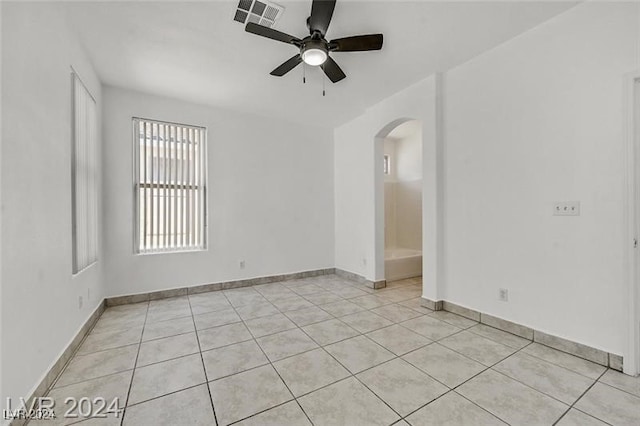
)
(204, 367)
(126, 401)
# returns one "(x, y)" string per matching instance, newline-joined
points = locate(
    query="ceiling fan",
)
(315, 49)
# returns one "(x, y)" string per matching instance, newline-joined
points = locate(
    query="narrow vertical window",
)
(170, 186)
(387, 165)
(84, 177)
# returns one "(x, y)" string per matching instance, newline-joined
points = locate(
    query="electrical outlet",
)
(242, 264)
(503, 295)
(566, 208)
(79, 302)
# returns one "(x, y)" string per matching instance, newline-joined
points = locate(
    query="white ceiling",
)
(196, 52)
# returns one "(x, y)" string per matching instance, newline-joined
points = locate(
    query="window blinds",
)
(84, 177)
(170, 186)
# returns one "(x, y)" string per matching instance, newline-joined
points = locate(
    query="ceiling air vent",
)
(259, 12)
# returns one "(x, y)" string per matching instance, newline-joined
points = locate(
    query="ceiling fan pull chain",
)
(304, 73)
(323, 79)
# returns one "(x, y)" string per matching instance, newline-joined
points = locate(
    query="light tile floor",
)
(327, 351)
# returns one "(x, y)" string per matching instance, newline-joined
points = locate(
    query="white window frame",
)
(386, 167)
(174, 227)
(84, 176)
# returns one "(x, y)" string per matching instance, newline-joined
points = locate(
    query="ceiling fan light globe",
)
(314, 57)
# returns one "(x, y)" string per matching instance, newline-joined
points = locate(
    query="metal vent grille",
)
(259, 12)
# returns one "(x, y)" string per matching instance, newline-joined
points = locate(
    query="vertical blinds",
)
(170, 186)
(84, 178)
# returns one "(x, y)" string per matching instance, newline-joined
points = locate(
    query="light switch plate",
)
(566, 208)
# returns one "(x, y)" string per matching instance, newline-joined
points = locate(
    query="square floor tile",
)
(349, 292)
(416, 305)
(444, 365)
(430, 328)
(279, 295)
(168, 328)
(545, 377)
(366, 321)
(285, 344)
(292, 303)
(477, 347)
(309, 371)
(398, 295)
(610, 405)
(233, 359)
(398, 339)
(305, 289)
(308, 316)
(330, 331)
(359, 353)
(500, 336)
(167, 312)
(347, 402)
(269, 325)
(402, 386)
(188, 407)
(109, 340)
(342, 308)
(453, 319)
(570, 362)
(369, 301)
(215, 319)
(113, 322)
(578, 418)
(511, 401)
(208, 302)
(169, 376)
(288, 414)
(323, 298)
(256, 310)
(224, 335)
(107, 387)
(243, 296)
(244, 394)
(453, 410)
(397, 313)
(167, 348)
(97, 364)
(622, 381)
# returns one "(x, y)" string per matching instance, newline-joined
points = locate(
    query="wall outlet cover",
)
(503, 295)
(566, 208)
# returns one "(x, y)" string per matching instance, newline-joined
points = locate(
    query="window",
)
(170, 186)
(387, 165)
(84, 178)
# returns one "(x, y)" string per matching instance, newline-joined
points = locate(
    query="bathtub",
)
(401, 263)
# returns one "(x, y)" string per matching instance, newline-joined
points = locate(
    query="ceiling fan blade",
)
(272, 34)
(356, 43)
(332, 70)
(287, 66)
(321, 13)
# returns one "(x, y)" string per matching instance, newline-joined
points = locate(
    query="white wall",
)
(535, 121)
(270, 195)
(409, 186)
(359, 183)
(403, 188)
(40, 309)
